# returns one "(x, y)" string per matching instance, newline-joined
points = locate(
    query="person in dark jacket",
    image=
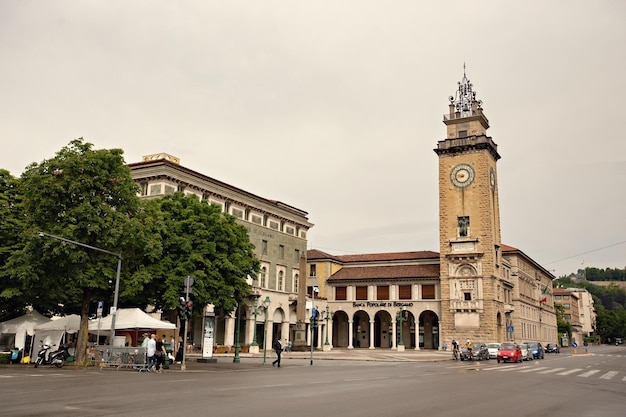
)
(278, 348)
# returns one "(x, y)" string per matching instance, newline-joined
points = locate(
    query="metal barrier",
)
(120, 357)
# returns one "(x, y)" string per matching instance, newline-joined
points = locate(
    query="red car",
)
(509, 352)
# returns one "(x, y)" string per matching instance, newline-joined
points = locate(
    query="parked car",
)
(493, 349)
(509, 352)
(479, 352)
(536, 350)
(526, 355)
(618, 341)
(553, 348)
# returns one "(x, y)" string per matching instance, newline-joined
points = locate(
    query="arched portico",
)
(383, 329)
(361, 330)
(341, 330)
(428, 330)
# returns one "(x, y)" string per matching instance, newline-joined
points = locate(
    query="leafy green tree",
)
(12, 299)
(563, 326)
(198, 240)
(83, 195)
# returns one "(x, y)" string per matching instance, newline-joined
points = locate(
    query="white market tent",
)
(130, 319)
(53, 331)
(22, 326)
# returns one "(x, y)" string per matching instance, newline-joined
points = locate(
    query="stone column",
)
(350, 334)
(371, 334)
(229, 331)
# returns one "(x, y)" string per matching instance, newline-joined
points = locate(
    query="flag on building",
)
(544, 295)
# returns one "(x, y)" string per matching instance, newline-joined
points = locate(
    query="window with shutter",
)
(428, 292)
(361, 293)
(404, 292)
(382, 292)
(340, 293)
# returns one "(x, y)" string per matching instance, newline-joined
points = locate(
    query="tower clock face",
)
(492, 178)
(462, 175)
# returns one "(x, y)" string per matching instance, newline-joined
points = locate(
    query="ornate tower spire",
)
(464, 101)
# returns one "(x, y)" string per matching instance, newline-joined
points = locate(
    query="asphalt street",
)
(362, 383)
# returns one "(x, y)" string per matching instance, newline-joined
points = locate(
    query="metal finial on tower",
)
(465, 96)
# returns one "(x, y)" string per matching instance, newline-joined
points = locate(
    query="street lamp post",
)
(117, 277)
(255, 313)
(266, 306)
(188, 284)
(237, 330)
(327, 318)
(400, 318)
(312, 323)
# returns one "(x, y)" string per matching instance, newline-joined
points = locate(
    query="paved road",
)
(397, 385)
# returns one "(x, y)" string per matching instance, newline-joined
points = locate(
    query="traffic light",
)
(188, 310)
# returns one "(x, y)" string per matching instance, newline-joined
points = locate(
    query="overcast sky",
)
(335, 107)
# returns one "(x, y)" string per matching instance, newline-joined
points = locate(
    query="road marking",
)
(571, 371)
(507, 368)
(365, 379)
(551, 370)
(609, 375)
(534, 369)
(589, 373)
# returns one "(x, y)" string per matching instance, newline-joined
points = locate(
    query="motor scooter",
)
(56, 358)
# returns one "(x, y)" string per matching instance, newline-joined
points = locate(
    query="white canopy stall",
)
(130, 319)
(54, 331)
(18, 328)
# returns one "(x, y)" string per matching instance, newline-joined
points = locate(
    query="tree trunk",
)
(83, 334)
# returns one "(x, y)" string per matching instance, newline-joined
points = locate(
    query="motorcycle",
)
(56, 358)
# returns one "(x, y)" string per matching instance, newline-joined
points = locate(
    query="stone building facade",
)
(474, 288)
(278, 232)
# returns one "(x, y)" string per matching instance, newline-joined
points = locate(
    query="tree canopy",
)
(87, 197)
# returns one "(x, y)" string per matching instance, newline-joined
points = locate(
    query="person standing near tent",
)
(151, 353)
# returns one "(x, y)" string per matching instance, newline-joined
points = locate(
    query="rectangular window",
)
(274, 225)
(281, 251)
(290, 230)
(238, 213)
(382, 292)
(428, 292)
(404, 292)
(341, 293)
(155, 189)
(169, 189)
(462, 133)
(264, 247)
(467, 296)
(296, 255)
(257, 219)
(566, 306)
(361, 293)
(312, 270)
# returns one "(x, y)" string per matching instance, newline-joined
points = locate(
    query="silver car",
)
(527, 354)
(493, 349)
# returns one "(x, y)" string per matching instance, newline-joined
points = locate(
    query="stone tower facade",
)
(471, 282)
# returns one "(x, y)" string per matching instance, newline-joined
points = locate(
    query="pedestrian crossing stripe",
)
(539, 368)
(589, 373)
(609, 375)
(549, 371)
(571, 371)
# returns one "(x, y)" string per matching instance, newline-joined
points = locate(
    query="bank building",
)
(475, 287)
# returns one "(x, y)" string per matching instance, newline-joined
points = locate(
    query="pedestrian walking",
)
(278, 348)
(151, 353)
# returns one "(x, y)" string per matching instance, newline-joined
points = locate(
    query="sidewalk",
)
(224, 362)
(250, 360)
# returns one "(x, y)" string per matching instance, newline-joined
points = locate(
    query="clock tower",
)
(469, 224)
